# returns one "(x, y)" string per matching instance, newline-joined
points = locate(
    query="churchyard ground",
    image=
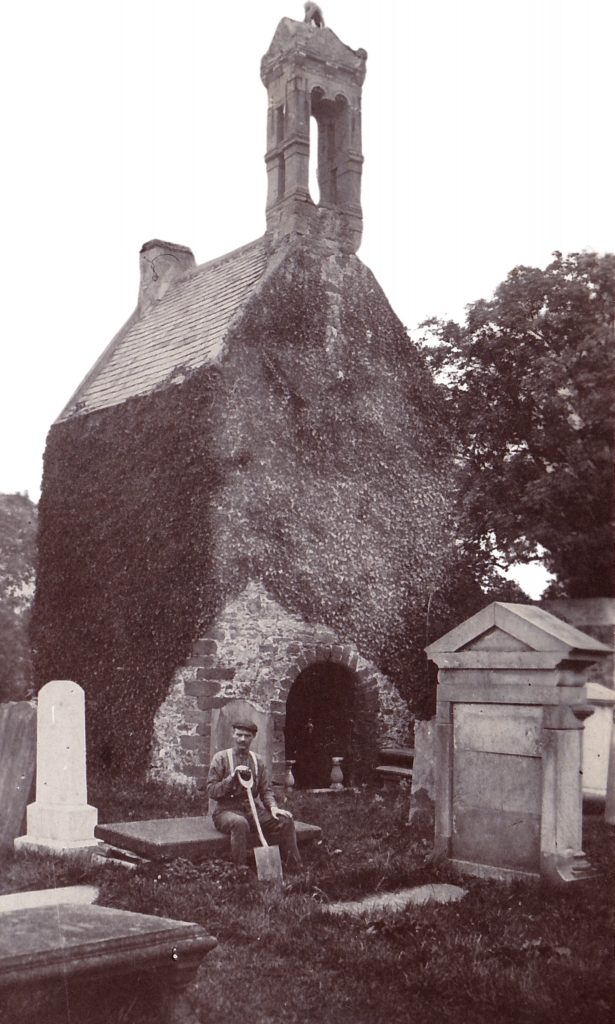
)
(509, 954)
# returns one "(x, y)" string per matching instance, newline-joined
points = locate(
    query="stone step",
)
(166, 838)
(402, 756)
(391, 771)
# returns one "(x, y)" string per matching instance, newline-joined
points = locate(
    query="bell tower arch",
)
(309, 72)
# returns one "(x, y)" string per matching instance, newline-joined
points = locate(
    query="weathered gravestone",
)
(60, 818)
(511, 701)
(422, 795)
(17, 763)
(222, 728)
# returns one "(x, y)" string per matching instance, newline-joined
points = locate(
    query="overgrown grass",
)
(513, 954)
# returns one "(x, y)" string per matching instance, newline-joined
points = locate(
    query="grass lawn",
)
(505, 953)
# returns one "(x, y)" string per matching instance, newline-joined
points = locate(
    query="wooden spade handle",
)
(248, 786)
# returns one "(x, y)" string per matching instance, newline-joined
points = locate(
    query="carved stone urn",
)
(289, 778)
(337, 777)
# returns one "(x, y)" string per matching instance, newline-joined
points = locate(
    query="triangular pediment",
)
(516, 627)
(496, 639)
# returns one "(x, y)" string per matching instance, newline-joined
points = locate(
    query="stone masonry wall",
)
(256, 650)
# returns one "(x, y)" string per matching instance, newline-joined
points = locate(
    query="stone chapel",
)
(246, 497)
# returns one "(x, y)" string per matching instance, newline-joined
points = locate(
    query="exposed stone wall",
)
(256, 650)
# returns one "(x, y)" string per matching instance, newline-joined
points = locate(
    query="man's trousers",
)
(278, 832)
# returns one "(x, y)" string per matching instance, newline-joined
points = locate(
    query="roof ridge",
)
(227, 256)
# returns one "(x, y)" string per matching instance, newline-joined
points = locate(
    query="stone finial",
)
(313, 13)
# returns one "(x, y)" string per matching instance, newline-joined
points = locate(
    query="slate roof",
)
(183, 331)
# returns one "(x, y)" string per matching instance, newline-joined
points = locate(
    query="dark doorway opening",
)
(320, 722)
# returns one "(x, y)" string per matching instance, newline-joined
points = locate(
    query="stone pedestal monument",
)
(60, 818)
(509, 743)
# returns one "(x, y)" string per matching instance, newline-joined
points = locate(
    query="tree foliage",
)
(529, 386)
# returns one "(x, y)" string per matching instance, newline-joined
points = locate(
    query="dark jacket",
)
(227, 790)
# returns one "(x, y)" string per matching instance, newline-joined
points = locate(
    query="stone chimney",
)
(309, 72)
(161, 264)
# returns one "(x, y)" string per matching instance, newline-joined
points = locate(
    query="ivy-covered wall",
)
(312, 457)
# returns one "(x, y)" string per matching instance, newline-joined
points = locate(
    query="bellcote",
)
(309, 72)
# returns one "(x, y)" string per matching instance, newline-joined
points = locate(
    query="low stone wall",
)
(256, 650)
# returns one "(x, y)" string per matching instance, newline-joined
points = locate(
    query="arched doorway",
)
(320, 723)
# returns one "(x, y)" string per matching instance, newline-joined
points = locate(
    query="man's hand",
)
(278, 812)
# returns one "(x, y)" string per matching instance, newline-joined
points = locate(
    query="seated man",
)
(233, 815)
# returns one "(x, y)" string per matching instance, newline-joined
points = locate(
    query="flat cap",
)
(245, 723)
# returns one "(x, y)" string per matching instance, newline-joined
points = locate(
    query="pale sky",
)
(488, 136)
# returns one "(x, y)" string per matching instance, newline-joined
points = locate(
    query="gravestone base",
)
(568, 867)
(71, 824)
(34, 844)
(59, 829)
(500, 874)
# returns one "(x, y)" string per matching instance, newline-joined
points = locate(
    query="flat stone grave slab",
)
(48, 897)
(166, 838)
(418, 896)
(77, 945)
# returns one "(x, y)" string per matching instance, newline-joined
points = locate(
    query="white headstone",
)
(597, 740)
(61, 817)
